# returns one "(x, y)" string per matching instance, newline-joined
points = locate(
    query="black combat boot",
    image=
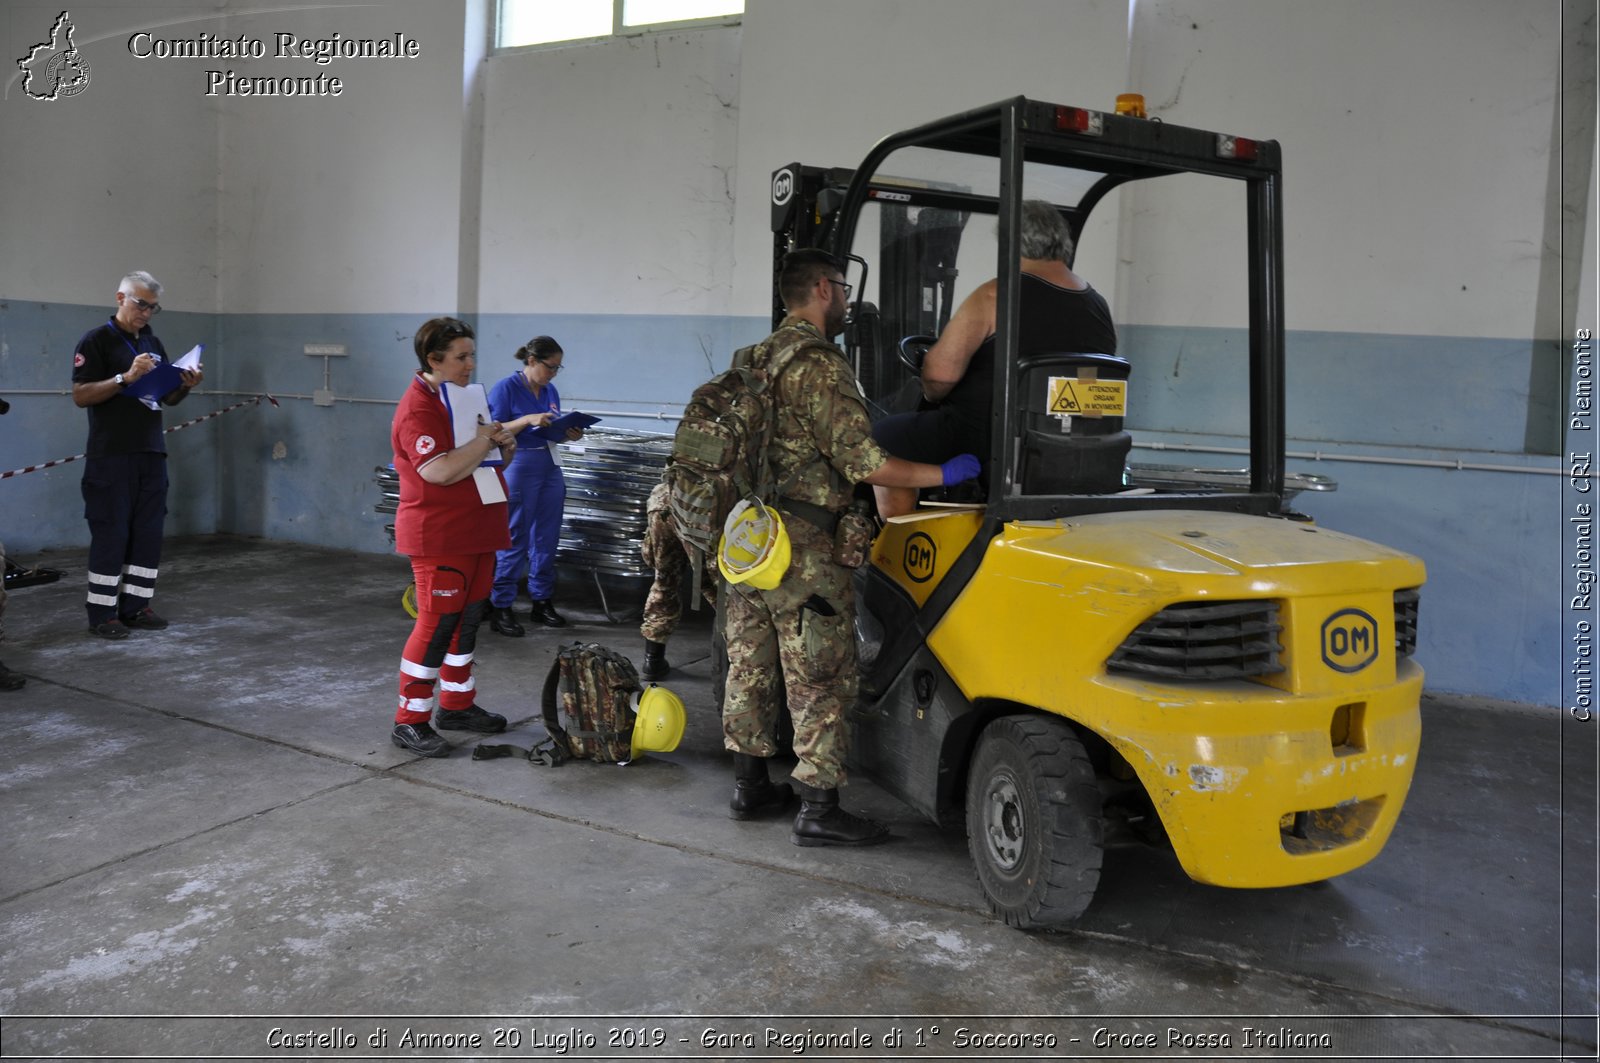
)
(822, 822)
(543, 612)
(655, 662)
(754, 794)
(504, 622)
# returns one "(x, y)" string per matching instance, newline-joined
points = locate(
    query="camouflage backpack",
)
(598, 686)
(719, 452)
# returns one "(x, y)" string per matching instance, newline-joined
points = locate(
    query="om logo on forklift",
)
(782, 187)
(1349, 640)
(919, 557)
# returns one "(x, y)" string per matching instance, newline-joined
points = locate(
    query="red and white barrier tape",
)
(206, 417)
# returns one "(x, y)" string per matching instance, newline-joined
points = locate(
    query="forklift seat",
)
(1069, 455)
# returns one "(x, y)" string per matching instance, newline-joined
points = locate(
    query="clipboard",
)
(164, 379)
(155, 385)
(469, 408)
(556, 430)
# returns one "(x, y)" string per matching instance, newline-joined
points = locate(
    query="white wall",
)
(121, 176)
(244, 204)
(825, 80)
(608, 176)
(346, 204)
(1416, 139)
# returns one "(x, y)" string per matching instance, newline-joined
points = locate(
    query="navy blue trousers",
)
(125, 503)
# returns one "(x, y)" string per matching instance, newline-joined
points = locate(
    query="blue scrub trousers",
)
(536, 492)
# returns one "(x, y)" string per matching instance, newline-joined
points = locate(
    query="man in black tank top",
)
(1059, 312)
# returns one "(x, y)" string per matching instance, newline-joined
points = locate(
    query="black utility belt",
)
(823, 519)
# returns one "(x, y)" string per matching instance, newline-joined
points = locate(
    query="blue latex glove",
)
(959, 469)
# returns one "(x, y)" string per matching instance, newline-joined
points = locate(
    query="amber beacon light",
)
(1131, 104)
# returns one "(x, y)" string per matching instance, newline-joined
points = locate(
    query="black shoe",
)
(145, 617)
(420, 739)
(109, 629)
(655, 662)
(822, 822)
(504, 622)
(472, 719)
(10, 680)
(545, 613)
(754, 793)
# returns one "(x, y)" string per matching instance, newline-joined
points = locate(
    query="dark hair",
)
(435, 337)
(540, 348)
(800, 271)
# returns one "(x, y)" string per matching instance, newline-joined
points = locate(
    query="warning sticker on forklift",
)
(1096, 398)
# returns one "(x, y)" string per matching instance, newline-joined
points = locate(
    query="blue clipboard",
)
(157, 384)
(556, 430)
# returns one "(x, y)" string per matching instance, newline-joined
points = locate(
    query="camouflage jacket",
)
(822, 444)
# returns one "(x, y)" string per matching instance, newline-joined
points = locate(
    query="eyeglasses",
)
(154, 308)
(551, 369)
(847, 288)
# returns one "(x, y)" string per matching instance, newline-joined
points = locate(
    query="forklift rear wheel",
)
(408, 600)
(1034, 821)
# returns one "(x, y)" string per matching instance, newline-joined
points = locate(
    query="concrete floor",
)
(211, 822)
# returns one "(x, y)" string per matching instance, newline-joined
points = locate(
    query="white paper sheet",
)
(489, 487)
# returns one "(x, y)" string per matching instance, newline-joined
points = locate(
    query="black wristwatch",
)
(119, 380)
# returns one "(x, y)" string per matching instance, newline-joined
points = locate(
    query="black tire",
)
(1034, 822)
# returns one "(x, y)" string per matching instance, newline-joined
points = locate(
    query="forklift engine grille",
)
(1405, 621)
(1204, 640)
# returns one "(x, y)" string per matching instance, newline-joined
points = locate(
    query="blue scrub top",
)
(512, 398)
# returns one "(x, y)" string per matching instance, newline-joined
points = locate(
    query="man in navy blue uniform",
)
(125, 471)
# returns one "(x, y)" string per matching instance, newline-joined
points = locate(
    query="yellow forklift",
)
(1089, 640)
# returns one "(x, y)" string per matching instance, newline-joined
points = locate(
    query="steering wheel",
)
(912, 350)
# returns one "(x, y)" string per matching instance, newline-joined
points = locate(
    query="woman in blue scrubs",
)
(523, 402)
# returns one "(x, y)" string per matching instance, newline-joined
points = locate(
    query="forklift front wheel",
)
(1034, 821)
(408, 601)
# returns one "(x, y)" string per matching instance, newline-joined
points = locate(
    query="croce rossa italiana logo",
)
(55, 69)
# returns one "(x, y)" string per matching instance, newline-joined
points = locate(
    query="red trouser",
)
(452, 599)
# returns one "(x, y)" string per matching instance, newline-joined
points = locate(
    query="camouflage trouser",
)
(663, 552)
(806, 625)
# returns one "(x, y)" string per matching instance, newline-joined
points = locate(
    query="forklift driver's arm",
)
(946, 361)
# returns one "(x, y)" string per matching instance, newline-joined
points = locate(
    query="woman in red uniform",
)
(450, 522)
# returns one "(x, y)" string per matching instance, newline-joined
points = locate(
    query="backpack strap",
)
(544, 753)
(778, 363)
(697, 559)
(553, 750)
(555, 747)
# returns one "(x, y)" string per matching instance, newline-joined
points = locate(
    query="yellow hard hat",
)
(754, 547)
(657, 721)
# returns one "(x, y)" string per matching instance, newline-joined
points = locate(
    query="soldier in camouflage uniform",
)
(663, 552)
(822, 447)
